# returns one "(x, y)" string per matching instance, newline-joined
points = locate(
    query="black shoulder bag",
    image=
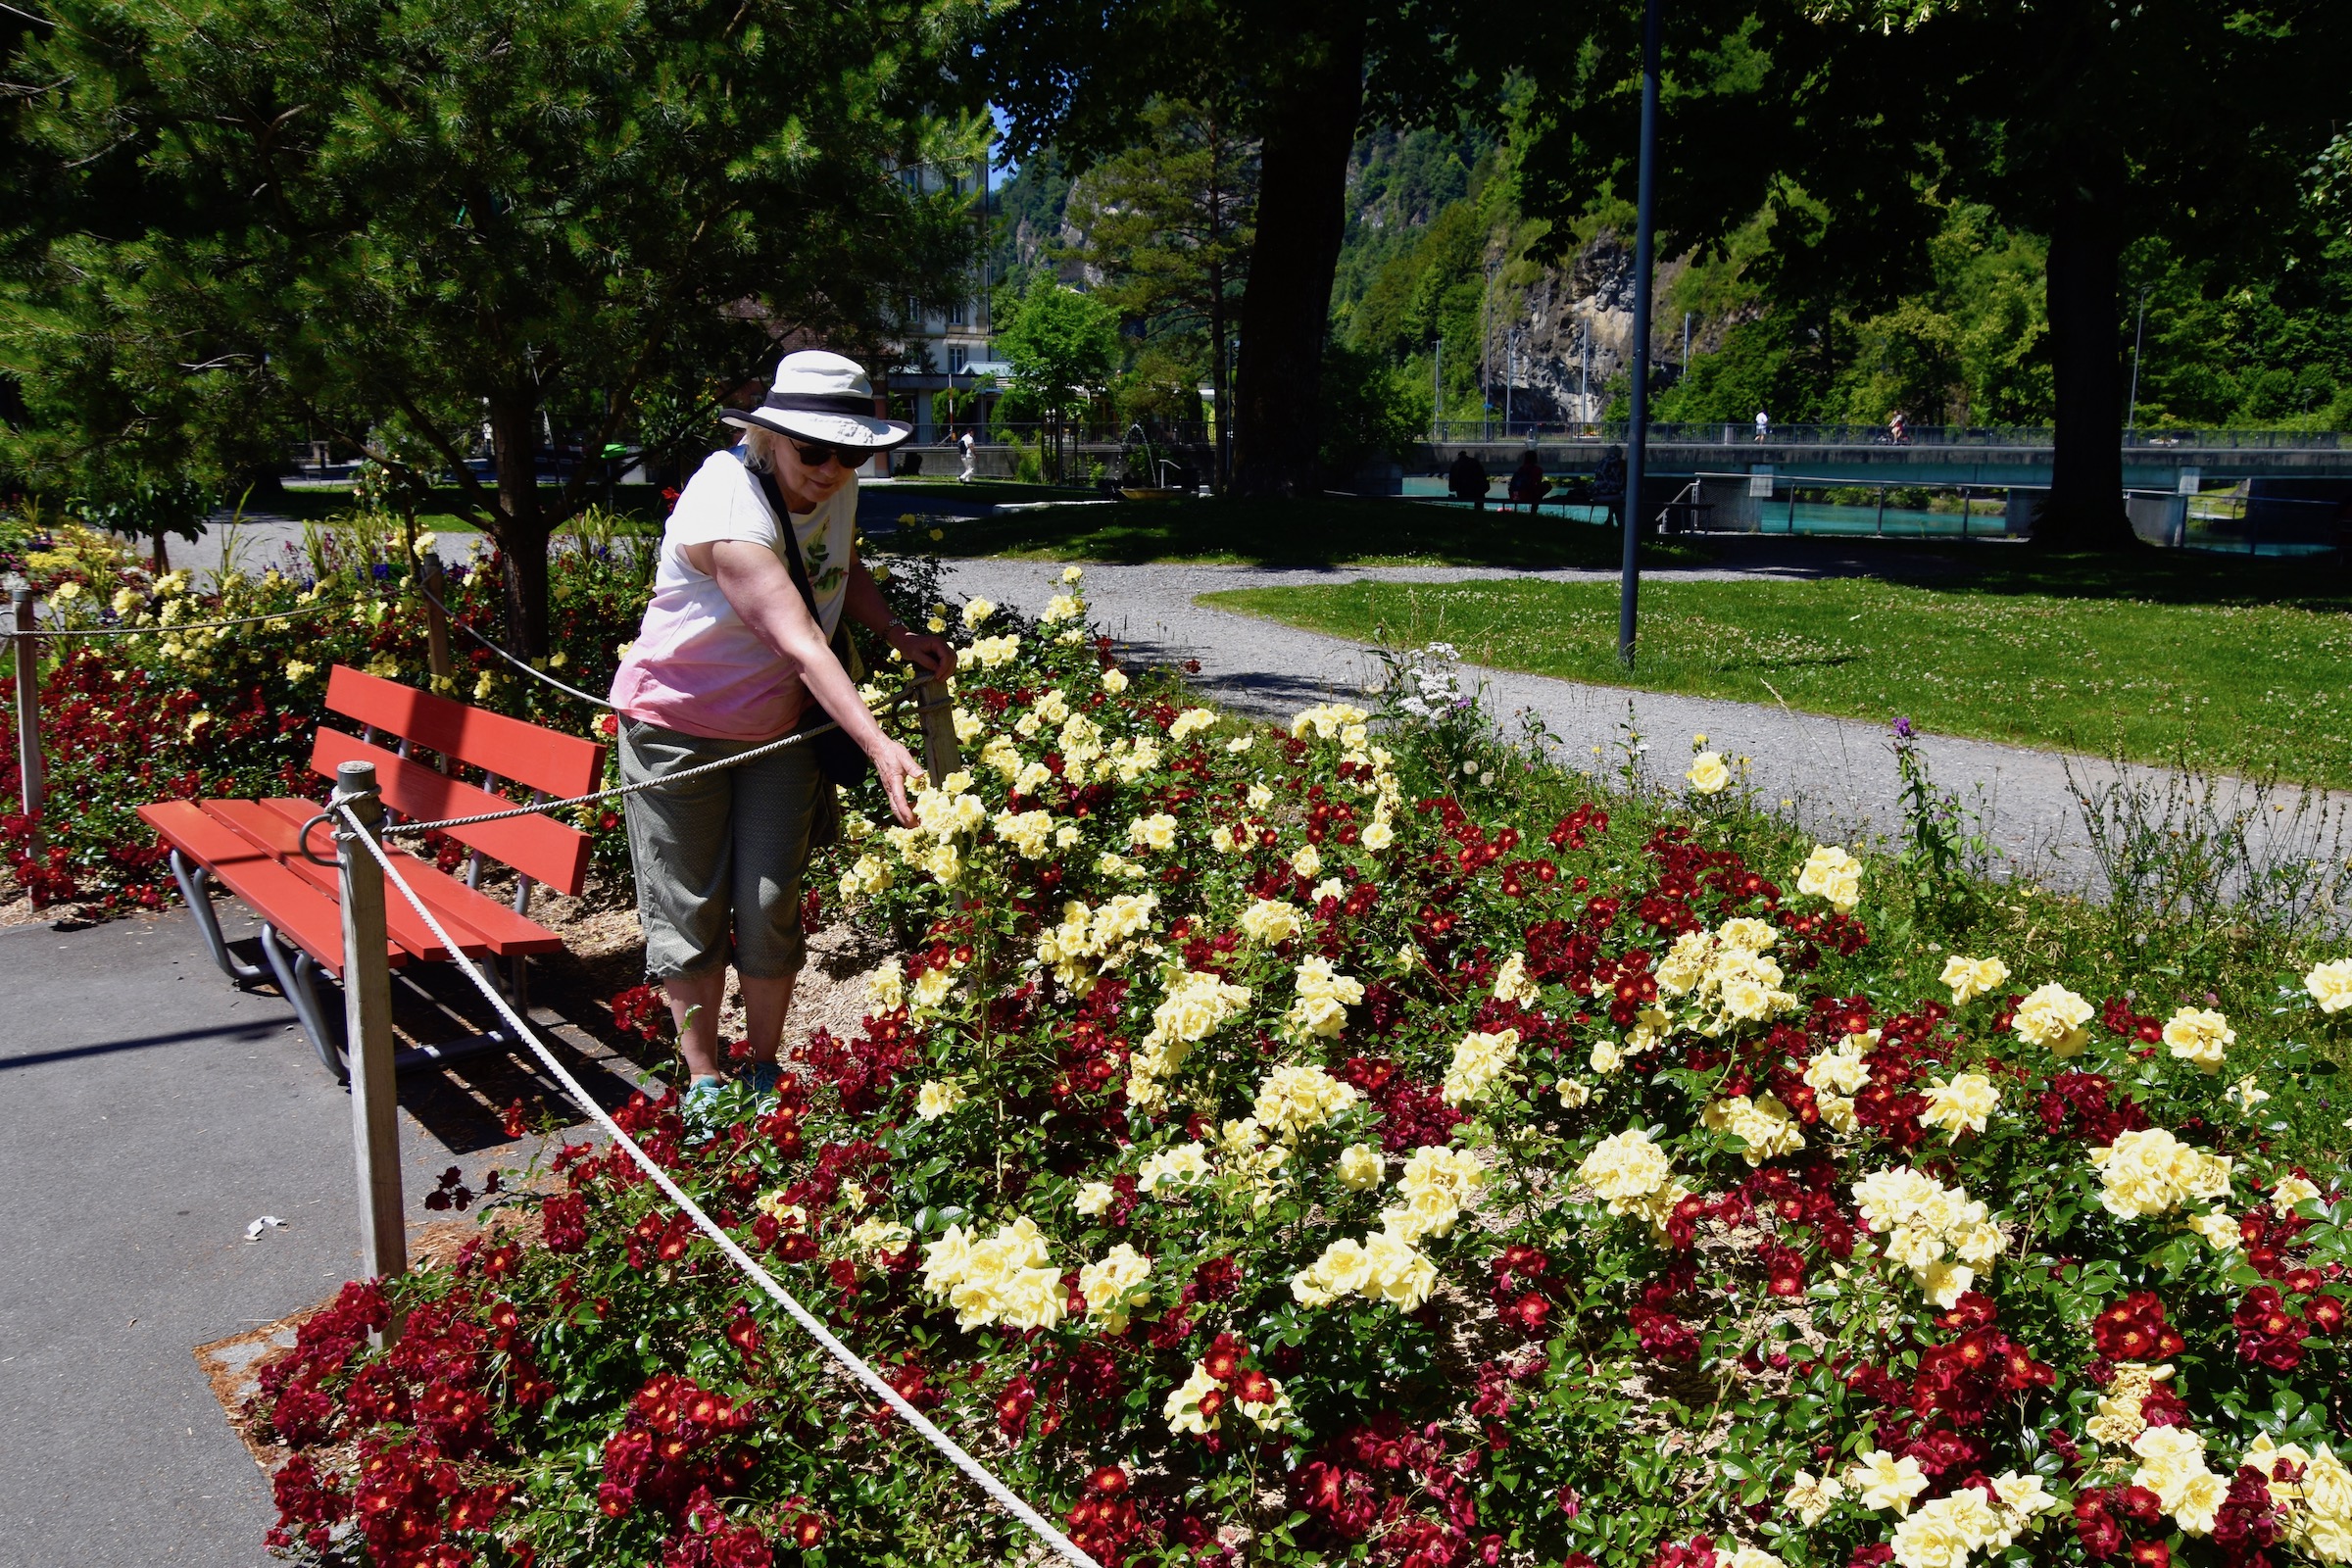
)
(839, 757)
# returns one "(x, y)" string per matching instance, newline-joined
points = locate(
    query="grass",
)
(2069, 657)
(1332, 530)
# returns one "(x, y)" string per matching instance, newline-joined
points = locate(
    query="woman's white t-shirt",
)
(696, 666)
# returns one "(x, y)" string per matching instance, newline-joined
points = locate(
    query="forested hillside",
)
(1438, 251)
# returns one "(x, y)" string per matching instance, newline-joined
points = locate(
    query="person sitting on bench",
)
(1466, 480)
(1527, 484)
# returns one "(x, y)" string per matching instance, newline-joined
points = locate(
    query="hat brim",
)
(839, 429)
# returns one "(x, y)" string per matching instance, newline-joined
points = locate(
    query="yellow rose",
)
(936, 1099)
(2331, 985)
(2199, 1035)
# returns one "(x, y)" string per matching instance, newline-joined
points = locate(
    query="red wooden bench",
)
(250, 847)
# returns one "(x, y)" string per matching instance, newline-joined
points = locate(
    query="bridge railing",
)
(1464, 432)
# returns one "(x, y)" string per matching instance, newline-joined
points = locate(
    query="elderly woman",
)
(743, 643)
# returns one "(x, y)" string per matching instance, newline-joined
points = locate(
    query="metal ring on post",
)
(302, 839)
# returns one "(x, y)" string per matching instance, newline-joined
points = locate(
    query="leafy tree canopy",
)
(455, 219)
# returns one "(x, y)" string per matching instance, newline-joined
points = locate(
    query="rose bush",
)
(1263, 1148)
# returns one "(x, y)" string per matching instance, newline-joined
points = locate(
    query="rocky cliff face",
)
(1588, 299)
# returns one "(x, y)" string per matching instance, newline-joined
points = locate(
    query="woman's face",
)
(807, 485)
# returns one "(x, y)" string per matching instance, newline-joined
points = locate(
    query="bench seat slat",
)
(274, 834)
(531, 755)
(539, 846)
(302, 914)
(481, 924)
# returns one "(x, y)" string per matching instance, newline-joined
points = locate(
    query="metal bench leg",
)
(297, 975)
(518, 983)
(192, 879)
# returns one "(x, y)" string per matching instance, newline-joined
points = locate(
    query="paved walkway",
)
(1836, 774)
(149, 1112)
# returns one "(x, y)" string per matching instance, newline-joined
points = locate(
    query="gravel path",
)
(1836, 774)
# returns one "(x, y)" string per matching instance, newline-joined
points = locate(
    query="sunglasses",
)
(816, 454)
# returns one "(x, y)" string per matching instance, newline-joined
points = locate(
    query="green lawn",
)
(1321, 531)
(2246, 672)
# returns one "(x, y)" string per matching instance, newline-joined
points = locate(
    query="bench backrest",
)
(534, 758)
(539, 846)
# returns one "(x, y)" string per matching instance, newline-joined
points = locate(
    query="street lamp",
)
(1637, 447)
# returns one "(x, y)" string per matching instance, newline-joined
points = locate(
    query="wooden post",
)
(436, 625)
(941, 755)
(31, 777)
(368, 1031)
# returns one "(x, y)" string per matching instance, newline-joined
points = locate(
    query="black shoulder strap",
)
(844, 647)
(792, 544)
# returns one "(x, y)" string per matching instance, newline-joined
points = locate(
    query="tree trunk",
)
(163, 560)
(1286, 307)
(519, 523)
(2085, 509)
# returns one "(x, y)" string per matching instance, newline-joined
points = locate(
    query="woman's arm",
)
(755, 583)
(864, 604)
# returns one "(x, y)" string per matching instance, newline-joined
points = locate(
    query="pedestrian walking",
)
(1763, 427)
(965, 442)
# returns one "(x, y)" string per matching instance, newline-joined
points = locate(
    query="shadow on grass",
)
(1302, 532)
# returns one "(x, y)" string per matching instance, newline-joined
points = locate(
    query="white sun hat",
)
(823, 397)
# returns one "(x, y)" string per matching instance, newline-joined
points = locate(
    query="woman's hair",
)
(759, 448)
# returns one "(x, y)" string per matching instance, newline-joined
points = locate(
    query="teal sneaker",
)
(763, 1078)
(699, 1105)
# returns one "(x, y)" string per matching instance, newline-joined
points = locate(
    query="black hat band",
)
(821, 402)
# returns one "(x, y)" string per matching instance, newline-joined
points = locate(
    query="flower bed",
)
(1261, 1154)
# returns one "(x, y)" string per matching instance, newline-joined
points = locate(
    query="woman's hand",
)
(933, 656)
(897, 768)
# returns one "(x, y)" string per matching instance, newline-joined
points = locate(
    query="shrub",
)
(1267, 1149)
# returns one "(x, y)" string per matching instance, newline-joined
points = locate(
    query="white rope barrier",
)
(616, 791)
(527, 667)
(849, 1359)
(161, 629)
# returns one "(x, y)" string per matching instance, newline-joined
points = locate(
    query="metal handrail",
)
(1735, 433)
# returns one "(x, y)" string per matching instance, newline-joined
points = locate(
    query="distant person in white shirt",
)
(1763, 427)
(965, 442)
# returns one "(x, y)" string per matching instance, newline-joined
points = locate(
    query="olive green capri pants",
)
(720, 857)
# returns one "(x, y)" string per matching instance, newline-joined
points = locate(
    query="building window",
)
(958, 358)
(955, 311)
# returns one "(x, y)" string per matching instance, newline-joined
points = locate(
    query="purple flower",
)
(1902, 729)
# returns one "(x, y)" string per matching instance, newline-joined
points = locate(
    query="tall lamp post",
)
(1637, 446)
